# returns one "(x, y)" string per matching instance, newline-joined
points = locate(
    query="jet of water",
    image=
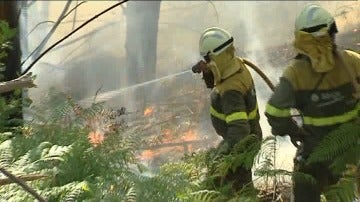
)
(111, 94)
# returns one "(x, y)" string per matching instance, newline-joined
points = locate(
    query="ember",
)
(96, 138)
(189, 136)
(148, 111)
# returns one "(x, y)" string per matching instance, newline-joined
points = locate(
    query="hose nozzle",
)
(199, 67)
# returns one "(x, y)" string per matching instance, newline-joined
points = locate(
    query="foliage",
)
(344, 153)
(58, 143)
(6, 34)
(8, 106)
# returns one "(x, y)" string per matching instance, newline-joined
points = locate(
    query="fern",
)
(342, 148)
(77, 192)
(131, 195)
(336, 144)
(55, 152)
(201, 196)
(351, 156)
(6, 156)
(343, 191)
(304, 178)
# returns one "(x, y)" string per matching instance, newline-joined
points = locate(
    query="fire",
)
(96, 138)
(178, 145)
(189, 136)
(166, 136)
(147, 155)
(148, 111)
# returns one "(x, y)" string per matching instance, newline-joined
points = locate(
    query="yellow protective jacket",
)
(234, 111)
(324, 99)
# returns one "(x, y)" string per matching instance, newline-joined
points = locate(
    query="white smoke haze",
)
(95, 57)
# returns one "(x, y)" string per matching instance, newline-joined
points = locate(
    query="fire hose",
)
(260, 73)
(272, 87)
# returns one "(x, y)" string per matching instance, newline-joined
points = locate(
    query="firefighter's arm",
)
(278, 110)
(236, 117)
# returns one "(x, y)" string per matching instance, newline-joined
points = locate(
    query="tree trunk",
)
(9, 12)
(141, 43)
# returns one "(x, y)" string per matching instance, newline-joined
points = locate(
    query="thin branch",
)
(74, 9)
(6, 181)
(37, 50)
(37, 25)
(25, 81)
(71, 33)
(97, 92)
(21, 183)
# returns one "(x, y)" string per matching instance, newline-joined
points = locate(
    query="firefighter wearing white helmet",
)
(234, 113)
(322, 84)
(214, 41)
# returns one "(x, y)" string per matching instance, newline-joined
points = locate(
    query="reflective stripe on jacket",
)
(234, 111)
(324, 99)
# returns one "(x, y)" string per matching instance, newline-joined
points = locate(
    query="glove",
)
(298, 137)
(199, 67)
(208, 77)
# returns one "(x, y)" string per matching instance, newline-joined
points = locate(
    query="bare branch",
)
(21, 183)
(25, 81)
(5, 181)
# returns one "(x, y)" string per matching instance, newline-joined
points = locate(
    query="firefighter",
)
(322, 84)
(234, 111)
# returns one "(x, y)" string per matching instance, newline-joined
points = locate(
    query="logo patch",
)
(314, 97)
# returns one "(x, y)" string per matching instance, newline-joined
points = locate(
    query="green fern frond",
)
(77, 192)
(6, 156)
(68, 192)
(272, 172)
(55, 152)
(343, 191)
(304, 178)
(201, 196)
(247, 144)
(351, 156)
(336, 144)
(266, 154)
(130, 195)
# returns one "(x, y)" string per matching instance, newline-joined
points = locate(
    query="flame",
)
(148, 111)
(96, 138)
(189, 136)
(168, 137)
(147, 155)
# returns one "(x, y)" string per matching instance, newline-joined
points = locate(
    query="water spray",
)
(111, 94)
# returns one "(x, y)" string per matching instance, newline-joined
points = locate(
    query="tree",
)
(141, 42)
(9, 12)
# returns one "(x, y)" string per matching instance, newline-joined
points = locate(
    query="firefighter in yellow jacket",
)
(234, 111)
(322, 83)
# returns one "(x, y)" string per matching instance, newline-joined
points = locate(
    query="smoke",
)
(95, 58)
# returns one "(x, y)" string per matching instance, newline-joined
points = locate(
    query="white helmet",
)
(214, 40)
(312, 16)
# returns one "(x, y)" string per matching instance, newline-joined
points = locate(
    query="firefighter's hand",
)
(296, 141)
(298, 137)
(199, 67)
